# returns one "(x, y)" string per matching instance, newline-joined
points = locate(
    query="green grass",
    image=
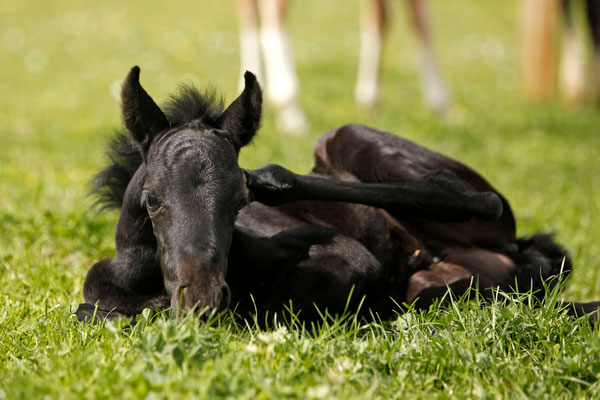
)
(61, 63)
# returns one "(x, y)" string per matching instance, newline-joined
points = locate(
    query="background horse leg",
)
(571, 64)
(281, 79)
(538, 53)
(593, 14)
(373, 21)
(249, 39)
(434, 91)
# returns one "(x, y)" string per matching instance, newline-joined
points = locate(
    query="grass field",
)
(60, 68)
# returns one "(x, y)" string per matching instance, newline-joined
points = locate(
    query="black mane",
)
(124, 156)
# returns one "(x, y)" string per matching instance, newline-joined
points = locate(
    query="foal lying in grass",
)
(379, 218)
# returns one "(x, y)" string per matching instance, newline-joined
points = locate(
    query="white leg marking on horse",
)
(250, 57)
(250, 54)
(282, 84)
(571, 67)
(281, 80)
(434, 90)
(366, 90)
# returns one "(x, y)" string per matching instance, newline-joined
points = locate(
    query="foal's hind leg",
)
(527, 264)
(462, 269)
(374, 156)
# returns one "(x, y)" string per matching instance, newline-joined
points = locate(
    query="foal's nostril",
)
(188, 299)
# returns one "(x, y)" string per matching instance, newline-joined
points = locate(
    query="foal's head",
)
(193, 187)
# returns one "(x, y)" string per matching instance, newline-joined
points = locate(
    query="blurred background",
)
(62, 62)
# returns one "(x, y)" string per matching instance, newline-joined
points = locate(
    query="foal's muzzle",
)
(200, 288)
(191, 300)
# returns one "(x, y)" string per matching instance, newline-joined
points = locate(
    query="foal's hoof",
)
(93, 315)
(464, 201)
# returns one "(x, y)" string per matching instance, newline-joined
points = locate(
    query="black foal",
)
(379, 217)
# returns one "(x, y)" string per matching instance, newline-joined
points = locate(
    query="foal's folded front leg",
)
(132, 280)
(115, 287)
(440, 196)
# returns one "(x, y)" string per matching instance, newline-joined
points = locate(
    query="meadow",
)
(61, 64)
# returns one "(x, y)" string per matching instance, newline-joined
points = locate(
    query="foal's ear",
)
(143, 118)
(242, 118)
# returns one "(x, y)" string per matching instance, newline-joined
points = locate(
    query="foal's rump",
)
(486, 250)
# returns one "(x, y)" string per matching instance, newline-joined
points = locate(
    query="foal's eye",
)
(150, 201)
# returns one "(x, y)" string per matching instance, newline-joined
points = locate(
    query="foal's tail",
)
(542, 264)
